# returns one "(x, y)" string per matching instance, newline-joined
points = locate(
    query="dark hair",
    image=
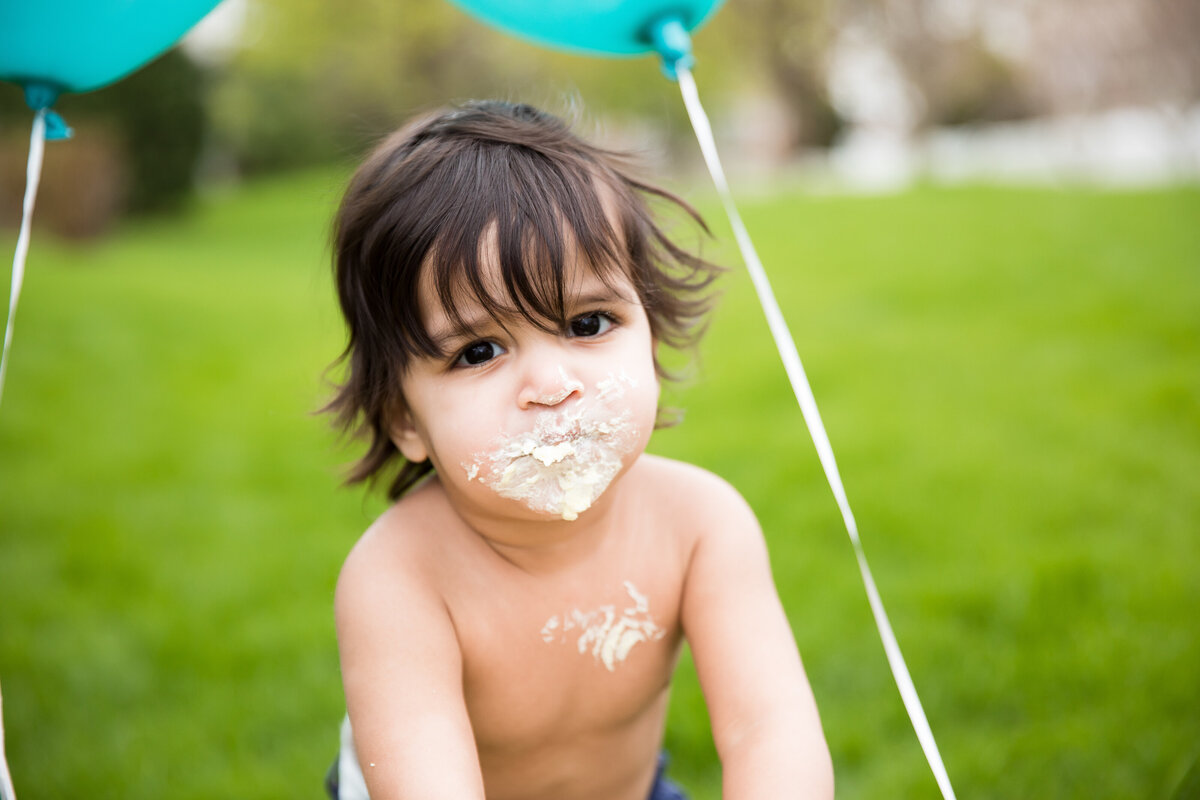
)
(426, 198)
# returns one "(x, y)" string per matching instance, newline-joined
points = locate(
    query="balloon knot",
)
(40, 97)
(673, 44)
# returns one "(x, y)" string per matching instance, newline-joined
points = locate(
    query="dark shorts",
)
(663, 789)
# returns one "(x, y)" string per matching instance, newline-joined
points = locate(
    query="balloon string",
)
(37, 143)
(786, 346)
(6, 787)
(33, 175)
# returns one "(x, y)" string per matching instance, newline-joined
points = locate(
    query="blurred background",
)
(982, 220)
(871, 94)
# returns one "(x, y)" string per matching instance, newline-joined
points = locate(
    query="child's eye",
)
(478, 353)
(588, 325)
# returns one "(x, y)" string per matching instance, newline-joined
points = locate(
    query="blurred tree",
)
(316, 80)
(136, 148)
(786, 42)
(960, 80)
(943, 52)
(986, 60)
(159, 113)
(83, 185)
(1085, 57)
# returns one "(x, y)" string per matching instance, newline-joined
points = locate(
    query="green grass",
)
(1010, 378)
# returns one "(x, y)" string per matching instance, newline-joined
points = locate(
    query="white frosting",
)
(570, 456)
(611, 387)
(607, 636)
(565, 390)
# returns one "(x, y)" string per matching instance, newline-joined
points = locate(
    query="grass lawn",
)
(1010, 378)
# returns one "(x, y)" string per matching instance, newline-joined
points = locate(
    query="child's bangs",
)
(511, 250)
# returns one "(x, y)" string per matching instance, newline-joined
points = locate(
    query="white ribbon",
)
(786, 346)
(6, 786)
(33, 175)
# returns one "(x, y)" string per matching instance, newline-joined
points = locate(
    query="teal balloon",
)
(52, 46)
(599, 27)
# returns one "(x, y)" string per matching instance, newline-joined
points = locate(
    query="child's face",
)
(520, 422)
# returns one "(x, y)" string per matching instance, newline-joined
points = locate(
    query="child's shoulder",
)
(397, 542)
(704, 512)
(688, 492)
(684, 474)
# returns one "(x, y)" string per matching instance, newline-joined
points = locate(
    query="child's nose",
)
(548, 386)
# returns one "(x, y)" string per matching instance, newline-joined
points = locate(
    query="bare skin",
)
(454, 689)
(495, 711)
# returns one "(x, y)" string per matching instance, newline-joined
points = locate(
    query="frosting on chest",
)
(608, 633)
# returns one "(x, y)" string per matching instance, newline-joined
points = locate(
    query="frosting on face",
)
(567, 388)
(604, 633)
(569, 457)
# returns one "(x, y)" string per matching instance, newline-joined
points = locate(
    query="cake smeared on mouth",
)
(569, 457)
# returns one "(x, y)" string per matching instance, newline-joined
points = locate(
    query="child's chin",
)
(564, 504)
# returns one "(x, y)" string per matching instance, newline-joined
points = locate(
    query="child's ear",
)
(407, 438)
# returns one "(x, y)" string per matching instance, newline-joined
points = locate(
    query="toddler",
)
(508, 627)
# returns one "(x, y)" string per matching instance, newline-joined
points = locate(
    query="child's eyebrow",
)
(459, 328)
(600, 296)
(445, 339)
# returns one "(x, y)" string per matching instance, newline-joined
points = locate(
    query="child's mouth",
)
(560, 467)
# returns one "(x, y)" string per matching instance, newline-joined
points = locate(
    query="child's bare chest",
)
(589, 660)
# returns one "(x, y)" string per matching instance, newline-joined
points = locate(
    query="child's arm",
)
(764, 717)
(402, 673)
